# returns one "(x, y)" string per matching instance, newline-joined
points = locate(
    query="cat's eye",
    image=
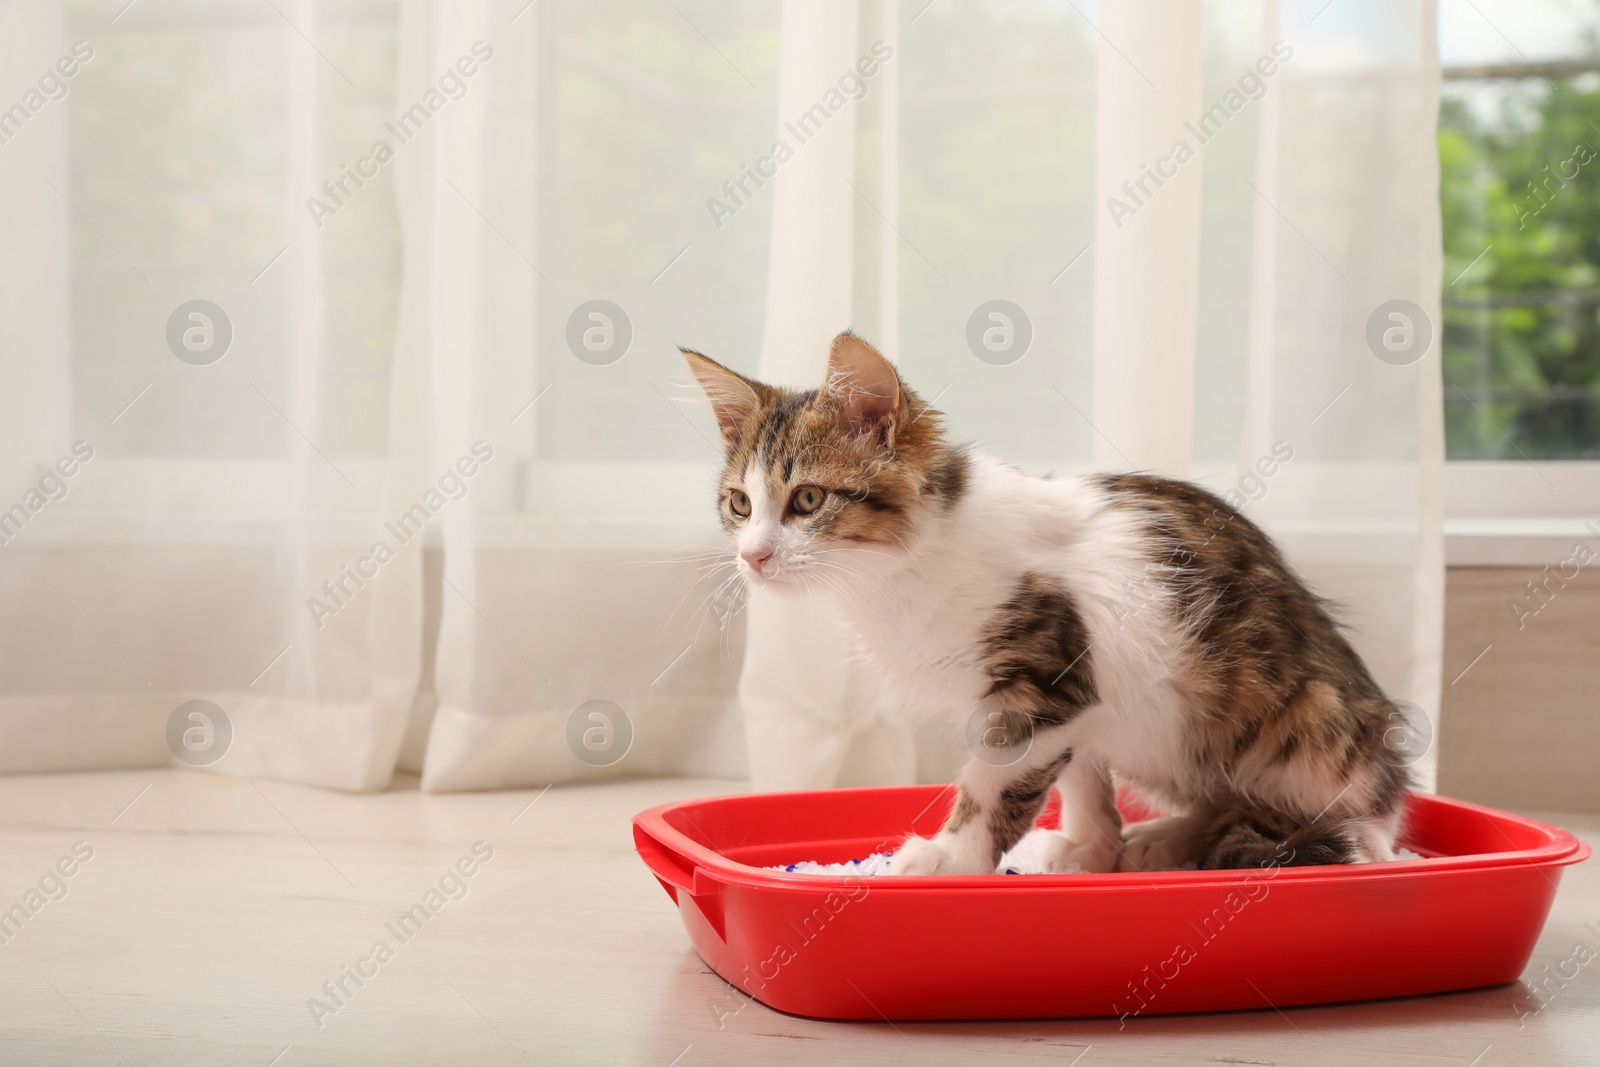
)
(806, 499)
(739, 503)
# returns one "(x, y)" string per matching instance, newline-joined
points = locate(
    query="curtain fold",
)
(1425, 687)
(1147, 259)
(442, 311)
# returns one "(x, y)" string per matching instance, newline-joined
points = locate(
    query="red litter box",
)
(1035, 946)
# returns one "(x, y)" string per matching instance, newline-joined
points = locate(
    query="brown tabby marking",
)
(966, 809)
(1036, 650)
(1251, 837)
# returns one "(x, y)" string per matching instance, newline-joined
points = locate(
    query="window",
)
(1519, 150)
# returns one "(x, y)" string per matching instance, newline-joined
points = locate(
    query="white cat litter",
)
(1022, 859)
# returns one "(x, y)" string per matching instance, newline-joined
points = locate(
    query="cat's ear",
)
(734, 398)
(866, 389)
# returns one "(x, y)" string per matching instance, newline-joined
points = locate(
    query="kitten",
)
(1083, 627)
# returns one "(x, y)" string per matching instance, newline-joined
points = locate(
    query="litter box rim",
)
(664, 847)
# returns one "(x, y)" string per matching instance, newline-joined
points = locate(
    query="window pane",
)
(178, 169)
(647, 112)
(1519, 150)
(996, 204)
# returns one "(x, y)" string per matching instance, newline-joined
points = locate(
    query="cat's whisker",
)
(692, 626)
(692, 587)
(711, 568)
(697, 557)
(734, 581)
(869, 579)
(860, 597)
(856, 550)
(709, 552)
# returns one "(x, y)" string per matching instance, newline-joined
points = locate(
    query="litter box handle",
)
(677, 872)
(667, 865)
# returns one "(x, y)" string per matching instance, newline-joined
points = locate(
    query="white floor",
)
(212, 911)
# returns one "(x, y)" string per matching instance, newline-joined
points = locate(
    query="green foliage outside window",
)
(1520, 188)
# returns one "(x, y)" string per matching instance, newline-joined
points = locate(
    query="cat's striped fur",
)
(1082, 628)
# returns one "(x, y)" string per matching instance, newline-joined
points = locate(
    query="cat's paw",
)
(1062, 855)
(919, 855)
(1157, 845)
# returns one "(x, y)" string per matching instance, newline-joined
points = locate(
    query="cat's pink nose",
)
(757, 558)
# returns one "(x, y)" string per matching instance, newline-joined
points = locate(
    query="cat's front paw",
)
(918, 855)
(1062, 855)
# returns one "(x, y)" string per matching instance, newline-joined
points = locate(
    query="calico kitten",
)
(1084, 627)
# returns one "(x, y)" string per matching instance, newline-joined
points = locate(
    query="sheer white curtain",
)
(232, 473)
(467, 355)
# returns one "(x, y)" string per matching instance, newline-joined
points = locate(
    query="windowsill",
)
(1518, 514)
(1512, 542)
